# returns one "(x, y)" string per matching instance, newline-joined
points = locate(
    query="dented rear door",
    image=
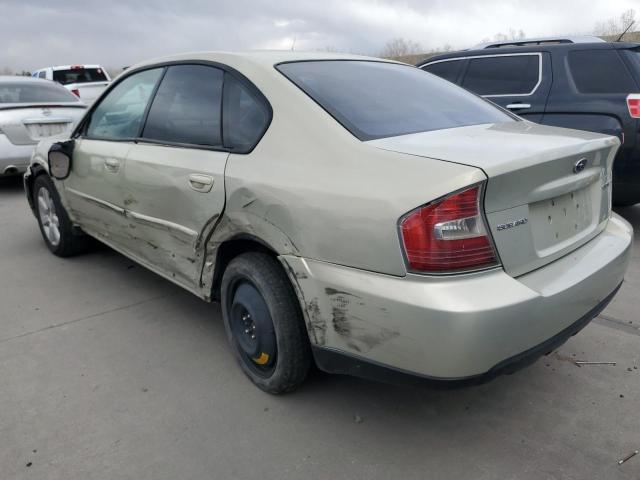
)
(173, 198)
(174, 174)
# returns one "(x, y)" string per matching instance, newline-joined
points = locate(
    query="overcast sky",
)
(115, 33)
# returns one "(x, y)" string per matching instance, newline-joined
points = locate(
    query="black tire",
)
(70, 242)
(278, 357)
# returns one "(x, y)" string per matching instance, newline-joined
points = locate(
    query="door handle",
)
(518, 106)
(111, 164)
(201, 183)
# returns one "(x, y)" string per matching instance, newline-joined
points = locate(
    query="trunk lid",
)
(548, 189)
(28, 124)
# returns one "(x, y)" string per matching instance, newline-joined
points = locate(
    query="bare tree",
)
(6, 71)
(399, 47)
(616, 25)
(512, 35)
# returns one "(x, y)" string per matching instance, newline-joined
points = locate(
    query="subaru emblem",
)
(580, 165)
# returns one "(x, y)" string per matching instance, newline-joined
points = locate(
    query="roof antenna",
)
(625, 30)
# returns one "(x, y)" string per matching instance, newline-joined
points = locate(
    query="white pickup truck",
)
(85, 81)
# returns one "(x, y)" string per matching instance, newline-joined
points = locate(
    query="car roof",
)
(257, 57)
(531, 48)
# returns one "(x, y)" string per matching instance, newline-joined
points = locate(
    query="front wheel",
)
(264, 323)
(55, 226)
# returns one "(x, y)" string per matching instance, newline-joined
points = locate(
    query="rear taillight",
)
(448, 235)
(633, 104)
(76, 92)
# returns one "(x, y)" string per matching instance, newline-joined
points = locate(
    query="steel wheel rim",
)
(48, 217)
(248, 335)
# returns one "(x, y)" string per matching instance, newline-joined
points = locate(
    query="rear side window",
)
(119, 114)
(187, 107)
(378, 99)
(599, 71)
(245, 116)
(79, 75)
(449, 69)
(503, 75)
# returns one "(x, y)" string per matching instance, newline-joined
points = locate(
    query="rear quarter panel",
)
(312, 189)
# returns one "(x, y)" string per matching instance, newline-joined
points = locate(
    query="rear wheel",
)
(55, 226)
(264, 323)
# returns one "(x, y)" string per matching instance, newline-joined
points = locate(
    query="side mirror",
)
(60, 155)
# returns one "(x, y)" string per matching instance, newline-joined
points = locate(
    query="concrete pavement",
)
(110, 372)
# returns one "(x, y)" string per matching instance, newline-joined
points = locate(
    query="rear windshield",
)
(79, 75)
(40, 92)
(377, 99)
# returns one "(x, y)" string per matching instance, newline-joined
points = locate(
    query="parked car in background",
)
(32, 110)
(86, 82)
(345, 210)
(573, 82)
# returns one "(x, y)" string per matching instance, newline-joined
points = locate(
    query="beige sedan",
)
(353, 212)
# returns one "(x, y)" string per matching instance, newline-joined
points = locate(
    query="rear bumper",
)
(626, 193)
(337, 362)
(461, 329)
(626, 176)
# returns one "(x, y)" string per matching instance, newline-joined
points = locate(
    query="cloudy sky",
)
(115, 33)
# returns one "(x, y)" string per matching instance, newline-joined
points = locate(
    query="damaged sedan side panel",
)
(351, 321)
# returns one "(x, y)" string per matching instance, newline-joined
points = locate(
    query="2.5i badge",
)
(515, 223)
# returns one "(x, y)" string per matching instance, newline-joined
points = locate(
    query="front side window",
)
(187, 107)
(379, 99)
(119, 115)
(245, 116)
(42, 75)
(449, 69)
(600, 71)
(503, 75)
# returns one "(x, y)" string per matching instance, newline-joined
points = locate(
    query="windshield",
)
(79, 75)
(40, 92)
(378, 99)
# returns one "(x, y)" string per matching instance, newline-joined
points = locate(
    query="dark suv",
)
(580, 82)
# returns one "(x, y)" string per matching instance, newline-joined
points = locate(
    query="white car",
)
(32, 110)
(86, 82)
